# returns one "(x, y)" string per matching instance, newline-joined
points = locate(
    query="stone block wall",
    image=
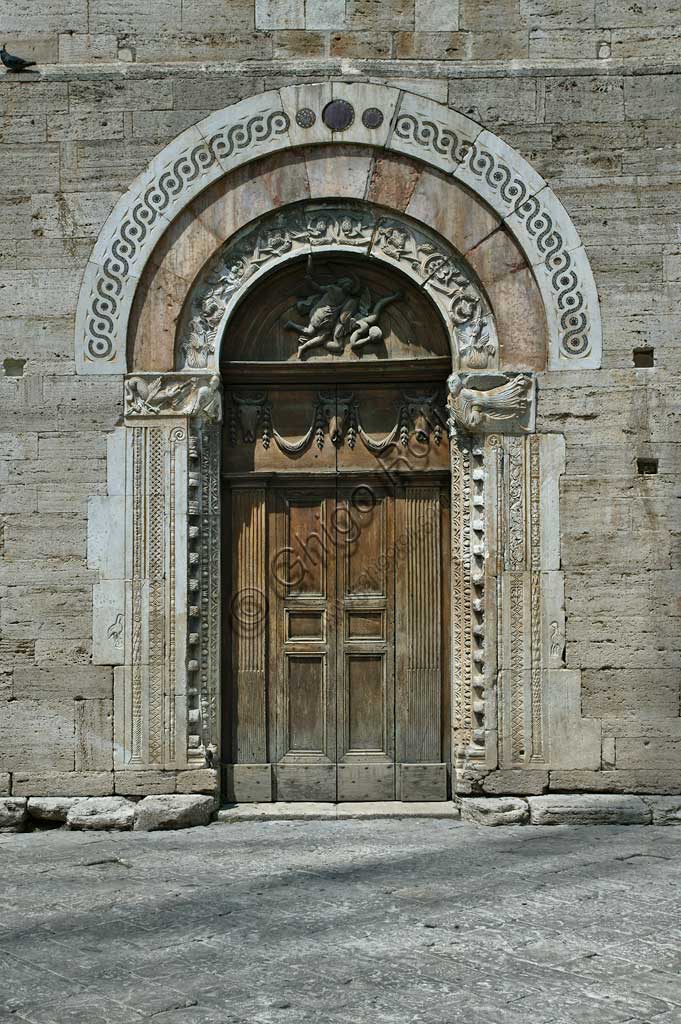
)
(588, 91)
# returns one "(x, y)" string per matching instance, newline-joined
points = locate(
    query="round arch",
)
(339, 113)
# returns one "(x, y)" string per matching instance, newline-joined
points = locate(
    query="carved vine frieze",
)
(487, 403)
(333, 227)
(338, 418)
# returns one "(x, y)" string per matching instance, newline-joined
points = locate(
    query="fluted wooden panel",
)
(249, 624)
(420, 619)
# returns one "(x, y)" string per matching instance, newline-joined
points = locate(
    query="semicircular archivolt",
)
(334, 229)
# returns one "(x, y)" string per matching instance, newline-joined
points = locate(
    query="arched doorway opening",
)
(335, 475)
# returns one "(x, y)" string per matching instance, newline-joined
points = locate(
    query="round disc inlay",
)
(306, 117)
(372, 118)
(338, 115)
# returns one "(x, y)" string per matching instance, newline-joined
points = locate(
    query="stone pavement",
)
(359, 922)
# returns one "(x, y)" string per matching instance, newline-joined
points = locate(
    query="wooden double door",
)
(336, 656)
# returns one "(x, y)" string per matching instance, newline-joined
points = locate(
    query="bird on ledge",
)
(13, 63)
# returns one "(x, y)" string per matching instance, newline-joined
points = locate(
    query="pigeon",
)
(14, 63)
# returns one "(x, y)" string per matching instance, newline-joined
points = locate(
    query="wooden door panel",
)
(306, 712)
(250, 775)
(418, 643)
(366, 711)
(366, 769)
(303, 642)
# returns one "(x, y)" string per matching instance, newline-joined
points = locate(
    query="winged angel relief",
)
(498, 398)
(340, 311)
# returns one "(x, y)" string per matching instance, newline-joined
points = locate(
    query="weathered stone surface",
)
(62, 783)
(588, 809)
(621, 781)
(170, 812)
(494, 811)
(111, 812)
(36, 734)
(197, 780)
(51, 808)
(12, 813)
(143, 783)
(5, 783)
(511, 781)
(666, 809)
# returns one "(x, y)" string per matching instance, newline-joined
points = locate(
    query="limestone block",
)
(621, 781)
(666, 809)
(511, 781)
(62, 783)
(94, 735)
(108, 611)
(588, 809)
(58, 16)
(163, 125)
(89, 125)
(552, 455)
(361, 45)
(197, 780)
(108, 812)
(79, 214)
(106, 537)
(118, 16)
(648, 752)
(435, 16)
(51, 808)
(91, 96)
(211, 93)
(12, 813)
(61, 682)
(35, 734)
(325, 14)
(612, 692)
(5, 783)
(170, 812)
(494, 811)
(376, 14)
(277, 14)
(81, 48)
(34, 97)
(493, 101)
(432, 45)
(583, 98)
(143, 783)
(574, 742)
(58, 290)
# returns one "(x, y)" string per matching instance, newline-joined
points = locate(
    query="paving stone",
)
(174, 811)
(12, 813)
(109, 812)
(494, 811)
(588, 809)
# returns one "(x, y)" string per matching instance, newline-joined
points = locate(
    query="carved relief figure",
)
(483, 409)
(164, 395)
(338, 311)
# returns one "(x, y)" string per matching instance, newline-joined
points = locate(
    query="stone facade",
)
(115, 86)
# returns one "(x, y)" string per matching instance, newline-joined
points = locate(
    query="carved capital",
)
(173, 394)
(492, 403)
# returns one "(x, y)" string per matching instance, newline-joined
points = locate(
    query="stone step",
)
(336, 812)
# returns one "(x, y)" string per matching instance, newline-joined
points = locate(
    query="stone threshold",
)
(288, 811)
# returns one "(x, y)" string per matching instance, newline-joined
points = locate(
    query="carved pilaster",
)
(169, 715)
(469, 659)
(155, 531)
